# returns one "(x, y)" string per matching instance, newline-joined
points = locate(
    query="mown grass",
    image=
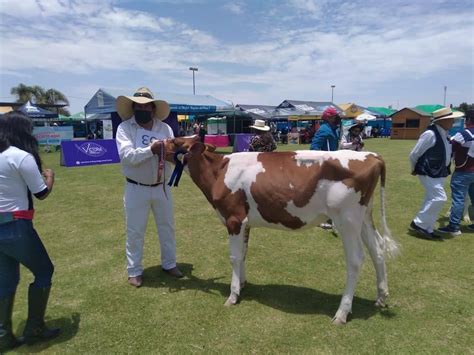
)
(295, 280)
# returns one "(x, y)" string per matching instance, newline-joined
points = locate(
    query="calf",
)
(293, 190)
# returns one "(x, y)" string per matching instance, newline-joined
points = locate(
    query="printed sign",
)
(53, 135)
(107, 129)
(89, 152)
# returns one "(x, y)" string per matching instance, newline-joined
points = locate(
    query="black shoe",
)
(7, 339)
(35, 329)
(424, 233)
(449, 230)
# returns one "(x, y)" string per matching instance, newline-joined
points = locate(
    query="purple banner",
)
(242, 142)
(89, 152)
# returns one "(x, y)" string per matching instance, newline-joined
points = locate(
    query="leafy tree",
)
(39, 95)
(465, 106)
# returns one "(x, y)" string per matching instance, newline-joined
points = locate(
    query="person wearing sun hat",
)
(462, 180)
(430, 160)
(263, 140)
(139, 142)
(353, 139)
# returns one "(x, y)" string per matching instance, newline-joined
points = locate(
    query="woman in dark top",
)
(20, 178)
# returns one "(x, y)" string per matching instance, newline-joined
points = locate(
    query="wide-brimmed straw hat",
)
(445, 113)
(260, 125)
(357, 124)
(143, 95)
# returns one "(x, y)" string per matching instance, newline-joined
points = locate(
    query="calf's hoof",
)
(338, 321)
(380, 303)
(231, 301)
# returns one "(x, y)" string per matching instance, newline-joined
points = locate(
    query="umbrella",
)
(365, 117)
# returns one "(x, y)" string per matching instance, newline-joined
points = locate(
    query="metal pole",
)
(444, 102)
(193, 69)
(332, 92)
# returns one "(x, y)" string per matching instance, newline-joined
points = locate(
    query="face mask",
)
(142, 117)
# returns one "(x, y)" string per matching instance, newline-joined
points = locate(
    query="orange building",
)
(409, 123)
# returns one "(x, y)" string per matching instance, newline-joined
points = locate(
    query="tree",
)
(464, 107)
(39, 95)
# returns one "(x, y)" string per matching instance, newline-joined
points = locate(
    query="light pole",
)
(444, 102)
(332, 92)
(194, 86)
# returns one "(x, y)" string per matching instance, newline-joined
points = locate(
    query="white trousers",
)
(435, 197)
(138, 200)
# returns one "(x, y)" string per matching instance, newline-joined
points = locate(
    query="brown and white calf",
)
(293, 190)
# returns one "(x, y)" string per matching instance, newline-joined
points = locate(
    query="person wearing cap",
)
(139, 141)
(327, 137)
(430, 160)
(263, 140)
(353, 139)
(462, 180)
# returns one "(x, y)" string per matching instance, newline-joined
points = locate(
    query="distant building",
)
(409, 123)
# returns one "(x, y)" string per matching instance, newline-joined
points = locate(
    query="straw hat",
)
(143, 95)
(260, 125)
(357, 124)
(445, 113)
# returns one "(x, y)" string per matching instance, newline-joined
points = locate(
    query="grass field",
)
(295, 280)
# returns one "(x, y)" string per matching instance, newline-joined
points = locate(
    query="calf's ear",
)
(197, 148)
(210, 147)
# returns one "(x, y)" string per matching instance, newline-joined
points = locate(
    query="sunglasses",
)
(143, 94)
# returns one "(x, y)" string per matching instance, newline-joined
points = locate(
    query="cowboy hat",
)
(143, 95)
(260, 125)
(445, 113)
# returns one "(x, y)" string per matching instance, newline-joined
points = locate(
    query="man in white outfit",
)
(430, 160)
(139, 141)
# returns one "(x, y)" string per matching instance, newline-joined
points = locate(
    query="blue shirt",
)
(326, 138)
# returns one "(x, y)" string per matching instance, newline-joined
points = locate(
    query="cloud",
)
(389, 43)
(235, 7)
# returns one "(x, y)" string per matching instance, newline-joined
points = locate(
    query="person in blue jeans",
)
(462, 180)
(20, 178)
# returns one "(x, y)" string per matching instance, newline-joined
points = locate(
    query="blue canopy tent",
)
(102, 106)
(37, 113)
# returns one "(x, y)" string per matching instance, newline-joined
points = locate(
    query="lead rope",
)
(162, 166)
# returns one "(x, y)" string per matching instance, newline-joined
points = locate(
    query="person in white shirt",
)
(21, 177)
(430, 160)
(139, 141)
(353, 139)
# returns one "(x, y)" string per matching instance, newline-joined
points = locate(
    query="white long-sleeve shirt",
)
(428, 140)
(133, 143)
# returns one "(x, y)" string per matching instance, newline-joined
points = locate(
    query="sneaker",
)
(449, 230)
(325, 226)
(423, 232)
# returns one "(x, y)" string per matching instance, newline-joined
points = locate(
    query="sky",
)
(375, 53)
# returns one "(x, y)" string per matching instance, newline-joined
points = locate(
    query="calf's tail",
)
(390, 246)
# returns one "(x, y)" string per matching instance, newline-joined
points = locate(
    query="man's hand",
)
(156, 146)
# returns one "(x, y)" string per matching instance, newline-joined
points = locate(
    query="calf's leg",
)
(374, 243)
(350, 229)
(237, 249)
(243, 278)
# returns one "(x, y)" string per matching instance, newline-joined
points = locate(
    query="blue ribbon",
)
(178, 169)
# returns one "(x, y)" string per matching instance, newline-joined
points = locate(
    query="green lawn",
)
(295, 280)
